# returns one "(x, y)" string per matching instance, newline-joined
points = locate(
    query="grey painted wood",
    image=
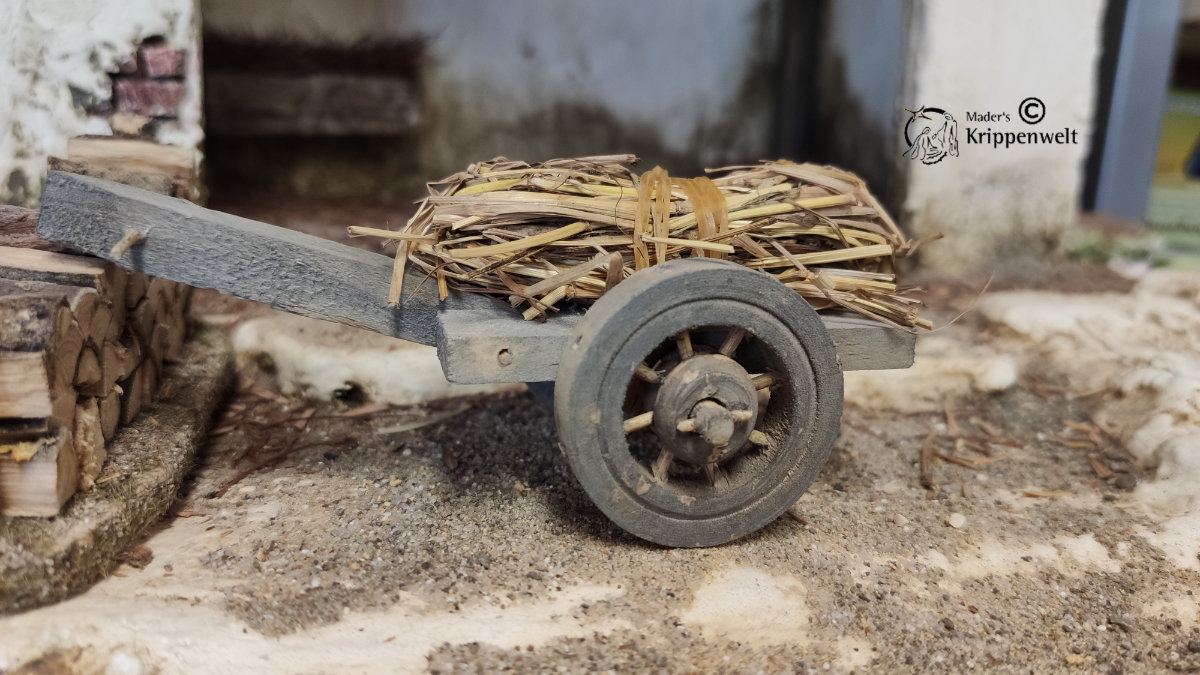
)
(471, 342)
(498, 345)
(288, 270)
(863, 344)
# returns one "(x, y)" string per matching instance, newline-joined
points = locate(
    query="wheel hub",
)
(705, 409)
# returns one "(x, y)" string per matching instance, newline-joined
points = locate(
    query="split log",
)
(110, 413)
(142, 319)
(138, 389)
(40, 485)
(102, 324)
(158, 346)
(114, 365)
(89, 374)
(165, 169)
(24, 385)
(89, 442)
(40, 344)
(22, 264)
(135, 289)
(176, 323)
(17, 229)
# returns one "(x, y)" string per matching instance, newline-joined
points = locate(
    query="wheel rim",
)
(740, 478)
(605, 384)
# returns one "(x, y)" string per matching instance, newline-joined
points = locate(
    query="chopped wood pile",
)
(569, 229)
(82, 347)
(83, 344)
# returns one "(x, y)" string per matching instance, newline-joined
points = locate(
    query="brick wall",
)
(148, 88)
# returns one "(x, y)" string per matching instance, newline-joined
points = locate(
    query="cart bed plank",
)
(288, 270)
(494, 345)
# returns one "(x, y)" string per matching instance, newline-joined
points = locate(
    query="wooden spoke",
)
(732, 341)
(662, 465)
(686, 426)
(710, 470)
(763, 381)
(684, 342)
(648, 374)
(759, 438)
(742, 415)
(639, 422)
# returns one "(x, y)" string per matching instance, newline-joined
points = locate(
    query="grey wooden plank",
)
(498, 345)
(471, 344)
(863, 344)
(288, 270)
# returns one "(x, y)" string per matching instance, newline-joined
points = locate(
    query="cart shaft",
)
(200, 247)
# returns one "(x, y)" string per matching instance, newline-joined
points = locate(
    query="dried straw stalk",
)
(570, 229)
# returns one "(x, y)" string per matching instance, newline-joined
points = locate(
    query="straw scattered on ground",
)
(567, 230)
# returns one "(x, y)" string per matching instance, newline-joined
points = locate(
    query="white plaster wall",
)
(54, 60)
(986, 56)
(675, 67)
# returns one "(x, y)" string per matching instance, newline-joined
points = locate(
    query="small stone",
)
(947, 623)
(1194, 646)
(341, 511)
(899, 519)
(956, 520)
(1074, 659)
(1125, 481)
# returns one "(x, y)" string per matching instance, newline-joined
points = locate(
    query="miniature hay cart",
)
(695, 402)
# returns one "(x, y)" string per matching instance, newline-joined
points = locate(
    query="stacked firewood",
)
(83, 344)
(82, 348)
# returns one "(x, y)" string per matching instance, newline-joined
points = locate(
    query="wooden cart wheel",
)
(697, 401)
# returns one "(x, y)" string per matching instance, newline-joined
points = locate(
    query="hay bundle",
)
(570, 229)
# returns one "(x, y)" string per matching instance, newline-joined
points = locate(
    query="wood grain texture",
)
(17, 225)
(497, 345)
(288, 270)
(41, 485)
(863, 344)
(36, 319)
(471, 342)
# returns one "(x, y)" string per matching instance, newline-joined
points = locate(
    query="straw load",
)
(567, 230)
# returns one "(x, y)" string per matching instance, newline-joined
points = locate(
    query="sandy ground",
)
(1053, 527)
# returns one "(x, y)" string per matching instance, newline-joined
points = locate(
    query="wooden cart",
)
(695, 402)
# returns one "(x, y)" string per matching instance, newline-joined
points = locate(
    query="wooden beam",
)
(494, 345)
(288, 270)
